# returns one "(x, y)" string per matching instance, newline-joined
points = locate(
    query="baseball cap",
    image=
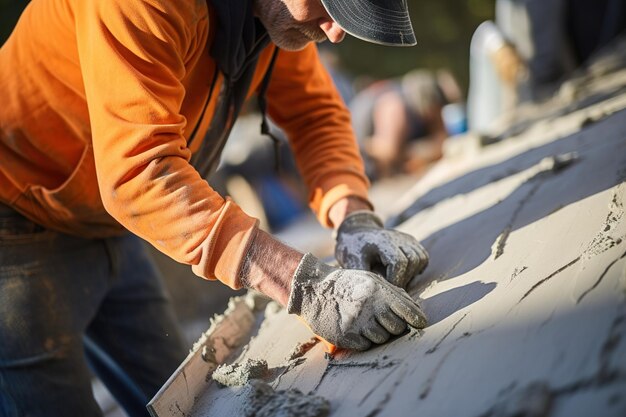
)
(385, 22)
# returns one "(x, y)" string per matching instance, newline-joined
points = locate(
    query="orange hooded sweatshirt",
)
(99, 100)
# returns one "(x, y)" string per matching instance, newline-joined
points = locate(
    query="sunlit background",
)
(443, 30)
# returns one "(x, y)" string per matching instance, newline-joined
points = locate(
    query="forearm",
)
(269, 267)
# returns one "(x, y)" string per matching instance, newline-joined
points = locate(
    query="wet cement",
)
(529, 333)
(534, 400)
(260, 400)
(302, 348)
(239, 374)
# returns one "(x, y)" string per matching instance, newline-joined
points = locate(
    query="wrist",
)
(344, 207)
(269, 267)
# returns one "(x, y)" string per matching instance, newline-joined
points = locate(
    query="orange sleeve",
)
(303, 100)
(133, 58)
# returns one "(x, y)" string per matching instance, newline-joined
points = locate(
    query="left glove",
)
(350, 308)
(363, 243)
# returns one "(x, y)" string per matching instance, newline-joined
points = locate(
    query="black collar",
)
(239, 37)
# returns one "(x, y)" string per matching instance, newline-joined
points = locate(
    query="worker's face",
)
(292, 24)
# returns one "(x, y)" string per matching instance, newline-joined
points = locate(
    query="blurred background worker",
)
(532, 48)
(399, 122)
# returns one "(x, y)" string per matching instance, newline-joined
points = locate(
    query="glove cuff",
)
(307, 264)
(359, 218)
(308, 271)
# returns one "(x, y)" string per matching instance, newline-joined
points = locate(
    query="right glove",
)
(363, 243)
(350, 308)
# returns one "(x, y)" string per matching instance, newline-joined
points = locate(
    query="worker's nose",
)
(332, 30)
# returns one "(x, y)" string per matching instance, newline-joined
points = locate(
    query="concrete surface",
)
(526, 290)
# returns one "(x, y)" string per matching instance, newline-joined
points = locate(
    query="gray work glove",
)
(350, 308)
(363, 243)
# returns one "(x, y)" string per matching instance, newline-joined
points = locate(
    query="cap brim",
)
(384, 22)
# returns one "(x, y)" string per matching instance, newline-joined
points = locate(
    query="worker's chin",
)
(295, 40)
(290, 44)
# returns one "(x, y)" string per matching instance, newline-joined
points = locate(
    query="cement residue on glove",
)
(351, 308)
(363, 243)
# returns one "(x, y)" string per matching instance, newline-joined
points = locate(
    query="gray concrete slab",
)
(526, 290)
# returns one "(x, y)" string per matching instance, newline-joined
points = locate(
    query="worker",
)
(399, 124)
(113, 115)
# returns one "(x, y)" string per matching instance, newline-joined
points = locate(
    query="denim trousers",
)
(71, 306)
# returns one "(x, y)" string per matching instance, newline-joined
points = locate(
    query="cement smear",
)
(240, 374)
(272, 309)
(534, 400)
(301, 349)
(256, 301)
(260, 400)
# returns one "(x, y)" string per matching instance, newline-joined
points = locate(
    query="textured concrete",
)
(526, 289)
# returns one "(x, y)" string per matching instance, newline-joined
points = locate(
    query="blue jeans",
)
(69, 304)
